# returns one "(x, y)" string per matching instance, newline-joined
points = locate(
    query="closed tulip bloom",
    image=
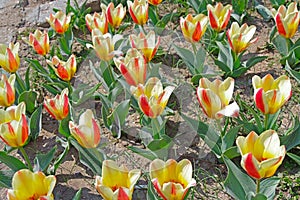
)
(146, 44)
(97, 21)
(152, 98)
(12, 113)
(15, 133)
(287, 19)
(60, 21)
(9, 57)
(154, 2)
(214, 98)
(64, 70)
(31, 185)
(261, 155)
(114, 15)
(239, 38)
(270, 94)
(87, 132)
(133, 67)
(172, 180)
(40, 42)
(193, 28)
(116, 183)
(138, 10)
(219, 16)
(58, 107)
(7, 90)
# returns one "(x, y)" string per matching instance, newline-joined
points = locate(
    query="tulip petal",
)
(250, 164)
(232, 110)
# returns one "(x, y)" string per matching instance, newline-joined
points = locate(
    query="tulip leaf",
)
(225, 55)
(35, 123)
(64, 126)
(237, 183)
(144, 152)
(83, 93)
(50, 88)
(239, 6)
(20, 84)
(264, 12)
(6, 178)
(60, 158)
(77, 195)
(122, 110)
(65, 42)
(259, 197)
(188, 58)
(199, 5)
(292, 139)
(37, 66)
(42, 161)
(282, 44)
(254, 60)
(232, 152)
(229, 137)
(151, 192)
(153, 15)
(29, 97)
(268, 187)
(11, 162)
(292, 72)
(294, 157)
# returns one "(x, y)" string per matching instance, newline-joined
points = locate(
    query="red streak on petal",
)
(12, 60)
(96, 132)
(229, 39)
(63, 73)
(38, 48)
(173, 189)
(135, 20)
(49, 111)
(259, 100)
(212, 20)
(127, 75)
(10, 96)
(109, 15)
(122, 194)
(58, 26)
(225, 22)
(66, 106)
(157, 188)
(145, 106)
(279, 24)
(197, 33)
(250, 167)
(24, 129)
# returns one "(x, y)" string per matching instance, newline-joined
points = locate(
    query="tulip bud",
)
(138, 11)
(154, 2)
(97, 21)
(193, 28)
(60, 21)
(58, 107)
(12, 113)
(87, 133)
(40, 42)
(7, 90)
(219, 16)
(114, 15)
(9, 57)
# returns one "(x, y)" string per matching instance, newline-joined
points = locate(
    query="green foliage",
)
(199, 6)
(239, 6)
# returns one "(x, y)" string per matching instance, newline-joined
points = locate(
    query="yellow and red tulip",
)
(60, 21)
(287, 19)
(270, 94)
(154, 2)
(97, 21)
(239, 38)
(87, 132)
(116, 183)
(14, 133)
(261, 155)
(58, 107)
(193, 28)
(152, 98)
(7, 90)
(146, 44)
(9, 57)
(133, 67)
(172, 180)
(219, 16)
(214, 98)
(12, 113)
(31, 185)
(40, 42)
(138, 10)
(114, 15)
(64, 70)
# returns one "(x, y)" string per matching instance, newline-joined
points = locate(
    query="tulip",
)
(172, 180)
(64, 70)
(60, 21)
(240, 37)
(214, 98)
(9, 57)
(58, 107)
(270, 94)
(116, 183)
(154, 2)
(261, 155)
(12, 113)
(193, 28)
(287, 20)
(146, 44)
(15, 133)
(138, 10)
(31, 185)
(40, 42)
(7, 90)
(114, 15)
(219, 16)
(97, 21)
(133, 67)
(87, 133)
(152, 98)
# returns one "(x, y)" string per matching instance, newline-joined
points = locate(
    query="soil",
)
(72, 175)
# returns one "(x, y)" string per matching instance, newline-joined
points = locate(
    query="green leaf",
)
(200, 60)
(259, 197)
(37, 66)
(82, 94)
(122, 110)
(254, 60)
(237, 183)
(6, 178)
(35, 123)
(268, 187)
(144, 152)
(239, 6)
(65, 42)
(264, 12)
(225, 55)
(77, 195)
(232, 152)
(187, 56)
(229, 137)
(64, 126)
(292, 72)
(223, 66)
(294, 157)
(27, 79)
(11, 162)
(20, 84)
(151, 192)
(60, 158)
(29, 97)
(282, 44)
(153, 15)
(158, 144)
(293, 139)
(42, 161)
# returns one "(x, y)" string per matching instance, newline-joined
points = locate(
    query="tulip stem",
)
(26, 158)
(257, 186)
(218, 122)
(194, 49)
(156, 128)
(266, 121)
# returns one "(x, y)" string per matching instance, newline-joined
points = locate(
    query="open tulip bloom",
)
(31, 185)
(214, 98)
(287, 19)
(9, 57)
(40, 42)
(269, 94)
(219, 16)
(12, 113)
(7, 90)
(261, 155)
(114, 15)
(58, 107)
(60, 21)
(87, 133)
(172, 180)
(116, 183)
(97, 21)
(193, 28)
(138, 10)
